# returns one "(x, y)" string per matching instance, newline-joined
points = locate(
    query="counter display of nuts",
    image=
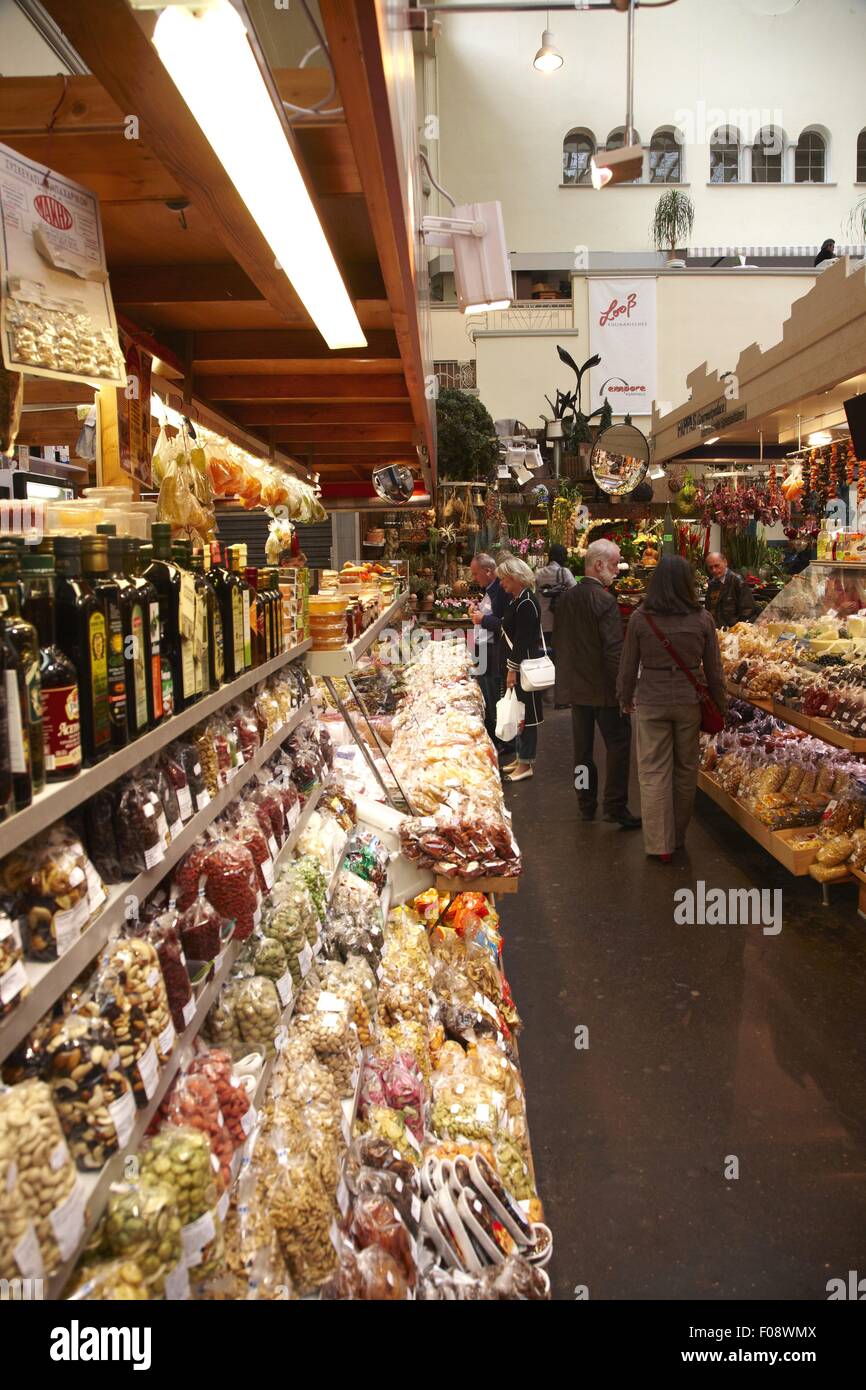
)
(90, 1092)
(181, 1159)
(259, 1010)
(137, 962)
(115, 1281)
(46, 1177)
(142, 1224)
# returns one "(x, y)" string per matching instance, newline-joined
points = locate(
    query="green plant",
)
(746, 551)
(672, 222)
(466, 447)
(856, 224)
(518, 524)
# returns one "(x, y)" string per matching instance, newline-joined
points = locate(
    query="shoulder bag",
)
(712, 719)
(536, 672)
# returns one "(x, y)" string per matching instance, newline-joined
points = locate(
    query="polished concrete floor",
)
(711, 1049)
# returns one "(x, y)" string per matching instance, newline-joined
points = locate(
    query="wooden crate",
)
(775, 842)
(796, 861)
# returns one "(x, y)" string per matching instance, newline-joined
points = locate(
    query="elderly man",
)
(487, 617)
(587, 634)
(729, 598)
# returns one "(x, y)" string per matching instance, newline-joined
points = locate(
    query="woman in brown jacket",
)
(665, 702)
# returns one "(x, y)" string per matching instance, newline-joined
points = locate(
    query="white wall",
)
(502, 123)
(702, 316)
(22, 52)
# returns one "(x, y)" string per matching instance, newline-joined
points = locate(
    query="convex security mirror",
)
(395, 483)
(619, 459)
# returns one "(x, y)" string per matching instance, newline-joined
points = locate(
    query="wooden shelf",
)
(819, 728)
(775, 842)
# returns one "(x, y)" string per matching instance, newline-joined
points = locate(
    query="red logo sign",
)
(53, 212)
(615, 310)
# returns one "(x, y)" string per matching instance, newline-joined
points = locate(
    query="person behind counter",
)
(729, 598)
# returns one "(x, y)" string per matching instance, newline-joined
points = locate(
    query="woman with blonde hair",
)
(523, 638)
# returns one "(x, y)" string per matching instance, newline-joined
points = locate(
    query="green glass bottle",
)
(25, 639)
(107, 587)
(61, 717)
(83, 636)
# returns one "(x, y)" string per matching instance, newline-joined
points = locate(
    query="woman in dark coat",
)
(522, 638)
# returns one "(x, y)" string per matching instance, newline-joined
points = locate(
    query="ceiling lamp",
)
(548, 58)
(818, 438)
(210, 61)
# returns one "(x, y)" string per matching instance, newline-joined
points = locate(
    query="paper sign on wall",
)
(622, 330)
(56, 315)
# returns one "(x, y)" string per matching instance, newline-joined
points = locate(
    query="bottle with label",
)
(82, 635)
(134, 621)
(822, 545)
(258, 617)
(176, 618)
(202, 596)
(17, 743)
(239, 560)
(136, 560)
(107, 586)
(215, 651)
(230, 594)
(61, 722)
(279, 631)
(25, 640)
(190, 616)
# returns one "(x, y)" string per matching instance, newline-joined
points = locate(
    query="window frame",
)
(579, 133)
(726, 140)
(666, 133)
(759, 148)
(811, 134)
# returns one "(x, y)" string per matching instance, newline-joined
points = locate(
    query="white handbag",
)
(536, 672)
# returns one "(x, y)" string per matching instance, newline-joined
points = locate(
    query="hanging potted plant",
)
(672, 224)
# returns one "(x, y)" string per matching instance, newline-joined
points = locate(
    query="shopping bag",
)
(510, 713)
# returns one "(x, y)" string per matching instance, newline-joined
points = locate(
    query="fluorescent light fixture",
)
(548, 58)
(210, 61)
(818, 438)
(656, 473)
(713, 439)
(616, 166)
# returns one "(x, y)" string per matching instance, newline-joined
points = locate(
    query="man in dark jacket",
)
(729, 598)
(487, 616)
(587, 635)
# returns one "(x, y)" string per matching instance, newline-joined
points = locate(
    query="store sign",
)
(622, 330)
(56, 316)
(715, 414)
(133, 414)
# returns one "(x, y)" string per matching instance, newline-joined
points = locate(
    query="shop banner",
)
(622, 330)
(133, 414)
(56, 315)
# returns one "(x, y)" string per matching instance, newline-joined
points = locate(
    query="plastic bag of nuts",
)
(207, 758)
(19, 1243)
(301, 1212)
(91, 1094)
(142, 1224)
(187, 755)
(259, 1009)
(222, 1026)
(140, 839)
(203, 932)
(107, 999)
(234, 1102)
(138, 963)
(47, 1180)
(180, 1158)
(49, 879)
(14, 985)
(164, 937)
(112, 1281)
(193, 1101)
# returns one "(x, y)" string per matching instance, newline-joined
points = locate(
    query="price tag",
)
(415, 1208)
(293, 815)
(166, 1039)
(95, 890)
(196, 1236)
(68, 925)
(328, 1003)
(67, 1221)
(273, 846)
(305, 959)
(184, 802)
(122, 1112)
(59, 1155)
(188, 1011)
(12, 982)
(202, 800)
(148, 1070)
(177, 1283)
(285, 989)
(348, 1108)
(176, 828)
(28, 1256)
(267, 869)
(155, 854)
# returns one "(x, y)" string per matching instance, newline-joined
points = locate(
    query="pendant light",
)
(548, 58)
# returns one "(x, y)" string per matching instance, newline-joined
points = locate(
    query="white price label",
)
(273, 846)
(148, 810)
(412, 1141)
(184, 802)
(67, 1222)
(176, 828)
(248, 1120)
(68, 925)
(188, 1011)
(415, 1208)
(284, 989)
(305, 959)
(348, 1106)
(28, 1256)
(59, 1155)
(267, 869)
(12, 982)
(165, 1041)
(196, 1236)
(293, 815)
(122, 1112)
(152, 977)
(177, 1283)
(257, 916)
(95, 890)
(148, 1070)
(154, 855)
(202, 800)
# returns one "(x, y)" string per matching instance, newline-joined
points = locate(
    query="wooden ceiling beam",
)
(111, 42)
(310, 413)
(275, 343)
(386, 436)
(301, 388)
(215, 282)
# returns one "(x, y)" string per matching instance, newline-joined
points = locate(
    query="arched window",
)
(861, 157)
(665, 158)
(725, 156)
(768, 155)
(578, 147)
(810, 158)
(616, 140)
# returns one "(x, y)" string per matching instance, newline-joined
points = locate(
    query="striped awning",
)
(760, 251)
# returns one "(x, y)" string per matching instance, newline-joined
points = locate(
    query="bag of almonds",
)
(47, 1183)
(91, 1094)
